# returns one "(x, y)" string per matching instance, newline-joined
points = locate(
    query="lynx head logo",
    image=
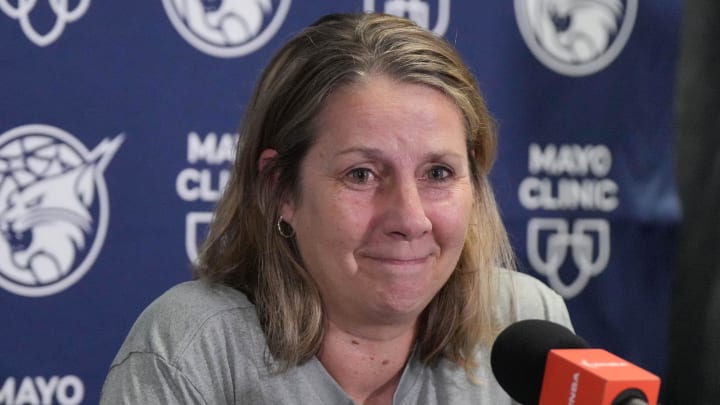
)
(227, 28)
(576, 37)
(417, 10)
(53, 208)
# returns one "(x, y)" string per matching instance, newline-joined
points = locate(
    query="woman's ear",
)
(266, 156)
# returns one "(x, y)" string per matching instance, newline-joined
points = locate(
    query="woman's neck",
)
(367, 366)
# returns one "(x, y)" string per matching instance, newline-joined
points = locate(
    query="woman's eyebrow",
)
(363, 150)
(377, 152)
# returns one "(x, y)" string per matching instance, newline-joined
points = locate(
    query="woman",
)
(355, 255)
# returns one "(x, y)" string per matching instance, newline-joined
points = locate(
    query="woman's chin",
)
(400, 308)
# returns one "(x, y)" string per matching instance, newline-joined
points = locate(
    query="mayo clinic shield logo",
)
(417, 10)
(61, 10)
(576, 37)
(196, 228)
(227, 28)
(558, 239)
(53, 208)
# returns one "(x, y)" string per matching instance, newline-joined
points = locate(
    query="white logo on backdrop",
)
(64, 14)
(569, 178)
(589, 261)
(209, 158)
(418, 11)
(62, 390)
(576, 37)
(227, 28)
(53, 199)
(196, 224)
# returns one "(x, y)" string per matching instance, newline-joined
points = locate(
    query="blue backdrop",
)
(117, 121)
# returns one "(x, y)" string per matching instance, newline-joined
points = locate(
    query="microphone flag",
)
(594, 377)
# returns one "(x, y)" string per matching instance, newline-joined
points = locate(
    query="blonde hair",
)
(244, 248)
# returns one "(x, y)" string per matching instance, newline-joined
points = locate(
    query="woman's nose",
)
(405, 217)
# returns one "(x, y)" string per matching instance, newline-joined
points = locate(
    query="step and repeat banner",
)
(117, 125)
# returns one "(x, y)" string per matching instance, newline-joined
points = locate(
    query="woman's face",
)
(385, 200)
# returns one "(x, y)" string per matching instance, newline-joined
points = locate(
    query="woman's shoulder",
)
(185, 314)
(197, 298)
(188, 346)
(521, 296)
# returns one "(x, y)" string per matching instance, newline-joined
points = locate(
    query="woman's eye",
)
(439, 173)
(360, 175)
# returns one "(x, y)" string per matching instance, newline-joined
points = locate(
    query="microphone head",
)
(520, 352)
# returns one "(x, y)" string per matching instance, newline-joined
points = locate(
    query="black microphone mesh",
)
(519, 354)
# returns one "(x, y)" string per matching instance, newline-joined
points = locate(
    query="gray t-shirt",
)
(201, 343)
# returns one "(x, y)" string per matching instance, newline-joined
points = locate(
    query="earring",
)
(281, 224)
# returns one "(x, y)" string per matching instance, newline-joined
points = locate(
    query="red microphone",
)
(539, 362)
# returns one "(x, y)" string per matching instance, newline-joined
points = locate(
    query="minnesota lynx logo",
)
(576, 37)
(417, 10)
(62, 11)
(227, 28)
(53, 208)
